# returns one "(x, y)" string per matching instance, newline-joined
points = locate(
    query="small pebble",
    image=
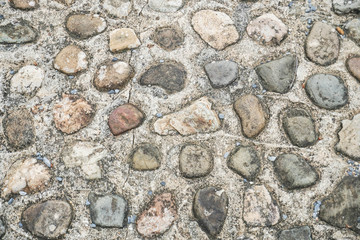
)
(165, 96)
(10, 201)
(307, 33)
(308, 26)
(238, 144)
(22, 193)
(134, 80)
(309, 1)
(71, 77)
(87, 203)
(1, 16)
(159, 115)
(290, 4)
(59, 179)
(150, 192)
(351, 162)
(114, 59)
(272, 158)
(47, 162)
(313, 8)
(73, 92)
(161, 61)
(163, 183)
(38, 154)
(284, 216)
(221, 116)
(245, 181)
(254, 86)
(132, 219)
(93, 225)
(307, 10)
(111, 92)
(226, 154)
(264, 91)
(20, 225)
(117, 90)
(309, 21)
(12, 72)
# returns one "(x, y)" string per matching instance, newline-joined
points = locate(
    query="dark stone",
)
(245, 162)
(168, 38)
(298, 233)
(20, 32)
(221, 73)
(145, 157)
(195, 161)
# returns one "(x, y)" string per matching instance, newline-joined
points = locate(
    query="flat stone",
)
(278, 75)
(196, 118)
(117, 8)
(327, 91)
(72, 113)
(24, 4)
(195, 161)
(342, 207)
(353, 66)
(125, 118)
(166, 6)
(19, 128)
(85, 25)
(169, 76)
(145, 157)
(267, 29)
(123, 39)
(294, 172)
(49, 219)
(344, 7)
(322, 44)
(210, 209)
(352, 29)
(260, 209)
(215, 28)
(299, 126)
(158, 216)
(221, 73)
(71, 60)
(297, 233)
(169, 38)
(108, 210)
(27, 80)
(245, 162)
(20, 32)
(252, 113)
(2, 228)
(113, 76)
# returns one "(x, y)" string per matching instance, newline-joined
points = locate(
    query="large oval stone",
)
(85, 25)
(113, 76)
(71, 60)
(245, 162)
(125, 118)
(20, 32)
(168, 38)
(195, 161)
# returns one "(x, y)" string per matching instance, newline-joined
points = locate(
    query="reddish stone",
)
(353, 66)
(124, 118)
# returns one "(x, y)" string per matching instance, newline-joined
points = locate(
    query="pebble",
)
(221, 116)
(345, 7)
(271, 158)
(222, 73)
(17, 33)
(59, 179)
(145, 157)
(159, 115)
(297, 233)
(132, 219)
(27, 80)
(165, 6)
(71, 60)
(113, 76)
(24, 4)
(195, 161)
(85, 25)
(119, 8)
(169, 38)
(66, 2)
(123, 39)
(349, 138)
(316, 211)
(11, 200)
(162, 184)
(245, 162)
(93, 225)
(352, 29)
(2, 228)
(125, 118)
(353, 66)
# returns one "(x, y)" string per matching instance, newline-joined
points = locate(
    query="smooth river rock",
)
(112, 76)
(353, 66)
(125, 118)
(195, 161)
(145, 157)
(221, 73)
(85, 25)
(71, 60)
(20, 32)
(245, 161)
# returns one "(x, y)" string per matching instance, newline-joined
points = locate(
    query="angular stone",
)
(353, 66)
(252, 113)
(125, 118)
(322, 44)
(113, 76)
(2, 228)
(298, 233)
(169, 76)
(327, 91)
(145, 157)
(158, 216)
(19, 128)
(215, 28)
(260, 209)
(221, 73)
(195, 161)
(196, 118)
(168, 38)
(166, 6)
(27, 80)
(342, 207)
(24, 4)
(245, 162)
(85, 25)
(352, 29)
(210, 209)
(344, 7)
(20, 32)
(117, 8)
(123, 39)
(71, 60)
(267, 29)
(278, 75)
(108, 210)
(49, 219)
(72, 113)
(300, 127)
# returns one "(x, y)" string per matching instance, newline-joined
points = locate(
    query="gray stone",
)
(327, 91)
(353, 66)
(278, 75)
(108, 210)
(245, 161)
(195, 161)
(168, 38)
(145, 157)
(2, 228)
(352, 29)
(166, 6)
(344, 7)
(210, 209)
(117, 8)
(221, 73)
(85, 25)
(20, 32)
(298, 233)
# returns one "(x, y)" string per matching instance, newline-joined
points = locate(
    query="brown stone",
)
(353, 66)
(71, 60)
(113, 76)
(168, 38)
(123, 39)
(85, 25)
(24, 4)
(125, 118)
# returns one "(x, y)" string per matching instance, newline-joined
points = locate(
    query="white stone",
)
(349, 138)
(118, 8)
(27, 80)
(165, 6)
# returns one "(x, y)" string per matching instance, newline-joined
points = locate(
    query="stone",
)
(352, 29)
(252, 113)
(26, 175)
(322, 45)
(267, 29)
(166, 6)
(353, 66)
(117, 8)
(66, 2)
(299, 126)
(123, 39)
(216, 28)
(17, 33)
(342, 207)
(158, 216)
(2, 228)
(221, 73)
(27, 80)
(327, 91)
(195, 161)
(145, 157)
(245, 161)
(71, 60)
(72, 113)
(297, 233)
(24, 4)
(125, 118)
(196, 118)
(210, 209)
(49, 219)
(85, 25)
(168, 38)
(108, 210)
(19, 128)
(278, 75)
(344, 7)
(260, 210)
(294, 172)
(169, 76)
(113, 76)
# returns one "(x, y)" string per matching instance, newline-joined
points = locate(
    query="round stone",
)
(168, 38)
(166, 6)
(221, 73)
(27, 80)
(24, 4)
(195, 161)
(125, 118)
(117, 8)
(71, 60)
(352, 29)
(145, 158)
(85, 25)
(353, 66)
(123, 39)
(17, 33)
(113, 76)
(245, 162)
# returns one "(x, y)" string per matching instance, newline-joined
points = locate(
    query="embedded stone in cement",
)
(145, 157)
(125, 118)
(123, 39)
(118, 8)
(71, 60)
(13, 33)
(2, 228)
(112, 76)
(245, 162)
(345, 7)
(27, 80)
(221, 73)
(85, 25)
(352, 29)
(166, 6)
(24, 4)
(195, 161)
(169, 38)
(297, 233)
(353, 66)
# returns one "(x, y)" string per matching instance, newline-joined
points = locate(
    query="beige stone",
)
(27, 80)
(349, 138)
(24, 4)
(71, 60)
(113, 76)
(85, 25)
(123, 39)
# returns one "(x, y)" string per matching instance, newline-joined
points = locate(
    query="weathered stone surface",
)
(278, 75)
(71, 60)
(298, 233)
(342, 207)
(158, 217)
(253, 114)
(267, 29)
(123, 39)
(294, 172)
(66, 2)
(2, 228)
(245, 161)
(24, 4)
(168, 38)
(327, 91)
(166, 6)
(221, 73)
(352, 29)
(195, 161)
(27, 80)
(108, 210)
(343, 7)
(210, 209)
(113, 76)
(145, 157)
(300, 127)
(353, 66)
(49, 219)
(117, 8)
(169, 76)
(72, 113)
(20, 32)
(259, 207)
(215, 28)
(196, 118)
(125, 118)
(322, 44)
(85, 25)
